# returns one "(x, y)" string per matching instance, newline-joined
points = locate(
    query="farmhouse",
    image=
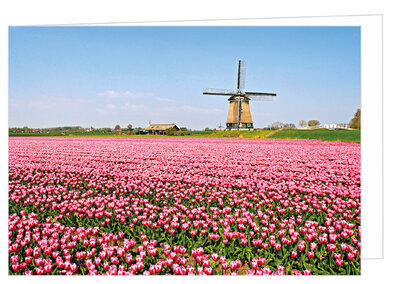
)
(160, 128)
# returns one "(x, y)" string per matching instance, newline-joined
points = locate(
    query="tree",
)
(171, 131)
(289, 125)
(276, 124)
(129, 129)
(313, 122)
(355, 123)
(302, 123)
(117, 127)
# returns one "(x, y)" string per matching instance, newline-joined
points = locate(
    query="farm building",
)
(336, 126)
(160, 128)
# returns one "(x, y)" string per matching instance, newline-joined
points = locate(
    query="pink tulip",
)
(313, 246)
(310, 254)
(350, 256)
(215, 256)
(307, 272)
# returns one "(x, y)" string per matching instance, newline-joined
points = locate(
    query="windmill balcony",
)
(244, 126)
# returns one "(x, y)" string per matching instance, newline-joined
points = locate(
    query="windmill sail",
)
(261, 98)
(241, 75)
(219, 92)
(260, 94)
(257, 96)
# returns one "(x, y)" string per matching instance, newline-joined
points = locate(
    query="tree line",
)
(355, 123)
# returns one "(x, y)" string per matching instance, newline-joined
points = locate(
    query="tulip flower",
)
(307, 272)
(310, 254)
(350, 256)
(313, 246)
(215, 256)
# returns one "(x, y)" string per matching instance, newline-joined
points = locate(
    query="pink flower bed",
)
(183, 206)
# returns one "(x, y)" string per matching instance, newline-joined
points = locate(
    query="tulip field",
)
(183, 206)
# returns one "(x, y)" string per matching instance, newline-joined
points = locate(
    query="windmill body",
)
(239, 116)
(236, 103)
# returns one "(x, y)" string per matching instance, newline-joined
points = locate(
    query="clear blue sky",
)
(103, 76)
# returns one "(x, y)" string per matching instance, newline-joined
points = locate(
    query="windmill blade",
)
(256, 96)
(219, 92)
(260, 94)
(241, 74)
(262, 98)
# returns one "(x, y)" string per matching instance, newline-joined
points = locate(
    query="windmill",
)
(239, 116)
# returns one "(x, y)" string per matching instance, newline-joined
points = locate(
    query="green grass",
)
(34, 134)
(320, 134)
(230, 134)
(196, 134)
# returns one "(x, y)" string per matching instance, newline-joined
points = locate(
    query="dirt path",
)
(273, 132)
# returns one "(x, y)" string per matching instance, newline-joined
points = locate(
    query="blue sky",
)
(103, 76)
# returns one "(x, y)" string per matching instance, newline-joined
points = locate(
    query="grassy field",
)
(320, 134)
(231, 134)
(207, 134)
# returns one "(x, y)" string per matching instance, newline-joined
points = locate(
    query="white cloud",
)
(165, 100)
(110, 94)
(111, 106)
(122, 108)
(47, 102)
(135, 107)
(127, 94)
(100, 110)
(192, 109)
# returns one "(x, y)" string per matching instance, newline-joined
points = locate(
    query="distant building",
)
(336, 126)
(160, 128)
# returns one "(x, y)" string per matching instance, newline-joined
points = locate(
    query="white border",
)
(57, 12)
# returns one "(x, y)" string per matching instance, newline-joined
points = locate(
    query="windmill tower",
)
(239, 116)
